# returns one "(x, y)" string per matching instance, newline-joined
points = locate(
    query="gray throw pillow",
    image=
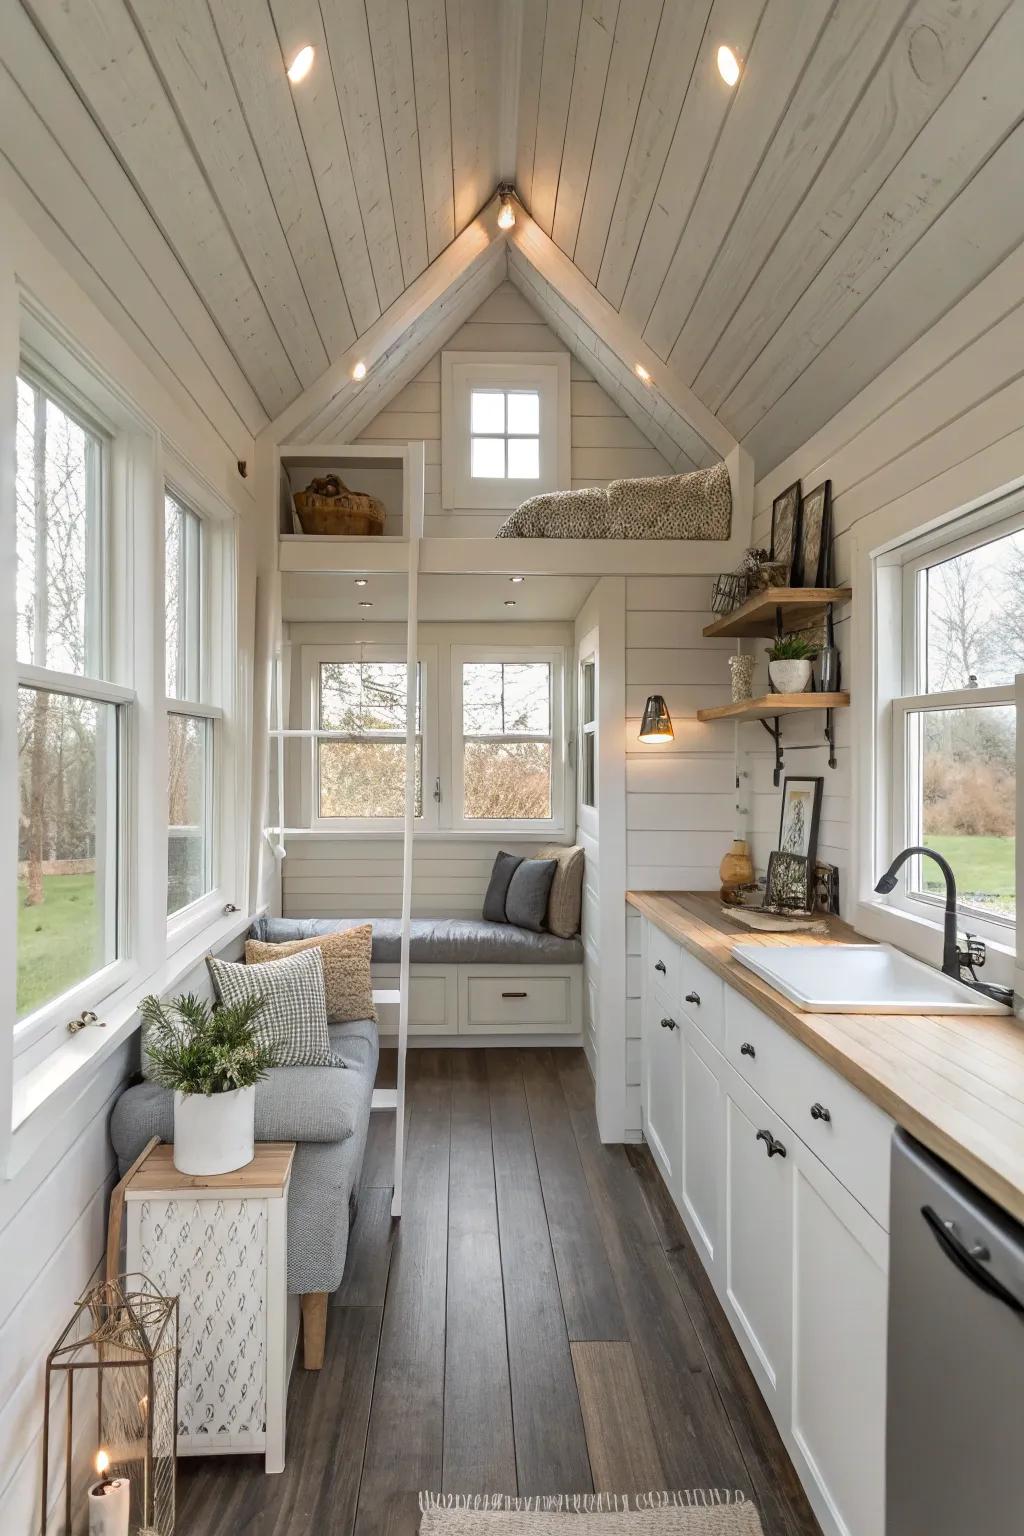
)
(505, 866)
(294, 1017)
(526, 903)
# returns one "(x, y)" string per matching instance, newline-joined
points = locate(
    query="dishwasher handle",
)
(967, 1264)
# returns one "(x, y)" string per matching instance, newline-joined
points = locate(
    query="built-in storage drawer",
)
(703, 997)
(662, 958)
(510, 1001)
(850, 1134)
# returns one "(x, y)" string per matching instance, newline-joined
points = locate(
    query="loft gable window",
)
(504, 428)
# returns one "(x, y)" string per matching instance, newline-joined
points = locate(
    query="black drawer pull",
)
(669, 1024)
(693, 997)
(514, 994)
(659, 965)
(819, 1112)
(774, 1146)
(746, 1049)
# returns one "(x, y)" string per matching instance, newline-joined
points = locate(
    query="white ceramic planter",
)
(790, 676)
(214, 1133)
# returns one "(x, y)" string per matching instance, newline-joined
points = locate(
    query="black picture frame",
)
(788, 886)
(800, 814)
(812, 567)
(786, 521)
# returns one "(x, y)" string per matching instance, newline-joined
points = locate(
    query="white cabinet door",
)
(702, 1186)
(662, 1087)
(837, 1409)
(758, 1235)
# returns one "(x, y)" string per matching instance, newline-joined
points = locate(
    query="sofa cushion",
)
(348, 989)
(526, 904)
(505, 866)
(436, 940)
(294, 1017)
(565, 902)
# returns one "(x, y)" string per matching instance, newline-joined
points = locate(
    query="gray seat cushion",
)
(435, 940)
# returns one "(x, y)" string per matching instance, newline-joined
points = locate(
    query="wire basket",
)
(729, 591)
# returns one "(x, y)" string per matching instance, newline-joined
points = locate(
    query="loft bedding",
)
(693, 506)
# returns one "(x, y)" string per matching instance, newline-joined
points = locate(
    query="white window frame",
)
(511, 654)
(587, 729)
(313, 656)
(899, 637)
(461, 372)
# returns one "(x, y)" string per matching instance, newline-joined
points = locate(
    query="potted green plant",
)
(212, 1060)
(789, 663)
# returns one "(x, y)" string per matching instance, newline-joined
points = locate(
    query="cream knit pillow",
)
(346, 958)
(566, 899)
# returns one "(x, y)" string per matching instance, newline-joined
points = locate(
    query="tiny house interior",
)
(512, 631)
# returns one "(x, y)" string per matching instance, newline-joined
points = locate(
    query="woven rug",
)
(695, 1513)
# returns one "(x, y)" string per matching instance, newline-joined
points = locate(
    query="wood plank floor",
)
(537, 1322)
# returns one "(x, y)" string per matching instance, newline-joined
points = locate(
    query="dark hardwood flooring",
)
(537, 1322)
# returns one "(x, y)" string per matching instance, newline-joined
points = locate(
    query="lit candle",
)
(108, 1501)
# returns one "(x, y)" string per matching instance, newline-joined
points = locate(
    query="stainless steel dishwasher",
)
(955, 1432)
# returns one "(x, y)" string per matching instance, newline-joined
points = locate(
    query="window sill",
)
(42, 1095)
(922, 938)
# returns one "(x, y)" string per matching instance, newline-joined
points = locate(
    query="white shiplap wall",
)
(605, 443)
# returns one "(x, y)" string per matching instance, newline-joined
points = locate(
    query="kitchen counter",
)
(955, 1081)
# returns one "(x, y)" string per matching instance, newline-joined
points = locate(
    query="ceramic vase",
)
(735, 871)
(790, 676)
(214, 1133)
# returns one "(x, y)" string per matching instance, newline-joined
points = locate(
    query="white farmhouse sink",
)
(860, 978)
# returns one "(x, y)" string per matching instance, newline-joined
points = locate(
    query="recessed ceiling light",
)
(360, 581)
(515, 580)
(510, 602)
(302, 63)
(366, 605)
(728, 64)
(641, 373)
(359, 371)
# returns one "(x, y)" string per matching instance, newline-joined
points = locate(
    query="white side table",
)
(220, 1245)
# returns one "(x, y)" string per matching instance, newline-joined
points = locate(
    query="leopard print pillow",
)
(559, 515)
(693, 506)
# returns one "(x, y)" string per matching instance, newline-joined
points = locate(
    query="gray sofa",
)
(326, 1111)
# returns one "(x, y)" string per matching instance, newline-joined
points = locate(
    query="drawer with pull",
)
(662, 962)
(703, 997)
(839, 1124)
(540, 1004)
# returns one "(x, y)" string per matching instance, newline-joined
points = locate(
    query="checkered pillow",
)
(294, 1017)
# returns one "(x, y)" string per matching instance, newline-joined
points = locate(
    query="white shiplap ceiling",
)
(772, 248)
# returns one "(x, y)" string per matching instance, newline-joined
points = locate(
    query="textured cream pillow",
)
(566, 899)
(346, 958)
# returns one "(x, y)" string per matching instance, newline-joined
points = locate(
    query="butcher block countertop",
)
(956, 1081)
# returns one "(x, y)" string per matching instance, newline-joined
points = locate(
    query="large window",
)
(362, 707)
(504, 428)
(954, 722)
(191, 720)
(70, 717)
(507, 749)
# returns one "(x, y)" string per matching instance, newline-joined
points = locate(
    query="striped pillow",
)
(294, 1017)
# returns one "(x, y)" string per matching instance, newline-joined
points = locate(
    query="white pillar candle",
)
(109, 1501)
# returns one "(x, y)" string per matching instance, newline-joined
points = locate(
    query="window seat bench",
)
(468, 977)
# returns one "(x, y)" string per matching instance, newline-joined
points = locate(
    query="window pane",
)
(189, 819)
(182, 591)
(362, 696)
(487, 410)
(67, 843)
(587, 702)
(507, 780)
(524, 411)
(975, 616)
(506, 698)
(366, 778)
(963, 779)
(587, 774)
(487, 458)
(58, 509)
(524, 458)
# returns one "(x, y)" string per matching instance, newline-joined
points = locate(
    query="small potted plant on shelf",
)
(212, 1059)
(789, 663)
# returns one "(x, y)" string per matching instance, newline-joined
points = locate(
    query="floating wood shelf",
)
(771, 704)
(762, 614)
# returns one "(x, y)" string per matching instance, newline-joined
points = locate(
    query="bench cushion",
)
(435, 940)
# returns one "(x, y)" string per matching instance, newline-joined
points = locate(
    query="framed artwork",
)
(788, 886)
(786, 530)
(801, 808)
(812, 565)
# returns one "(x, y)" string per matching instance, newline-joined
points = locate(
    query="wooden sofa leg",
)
(314, 1329)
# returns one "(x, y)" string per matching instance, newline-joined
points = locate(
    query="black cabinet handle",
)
(659, 965)
(514, 994)
(669, 1024)
(746, 1049)
(819, 1112)
(693, 997)
(774, 1146)
(969, 1264)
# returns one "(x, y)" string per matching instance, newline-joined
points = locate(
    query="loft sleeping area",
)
(511, 637)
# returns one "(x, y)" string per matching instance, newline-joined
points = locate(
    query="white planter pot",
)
(790, 676)
(213, 1133)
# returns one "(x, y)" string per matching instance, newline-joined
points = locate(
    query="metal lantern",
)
(116, 1365)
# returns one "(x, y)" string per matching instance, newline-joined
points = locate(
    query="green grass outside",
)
(980, 864)
(57, 940)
